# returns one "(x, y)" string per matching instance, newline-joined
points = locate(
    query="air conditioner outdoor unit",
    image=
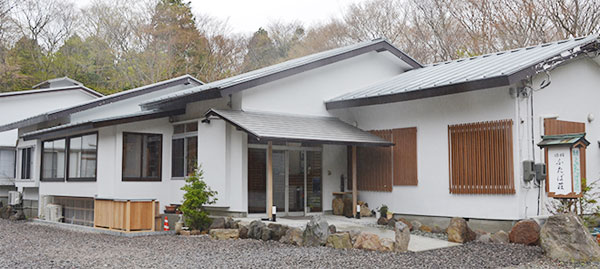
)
(54, 212)
(14, 198)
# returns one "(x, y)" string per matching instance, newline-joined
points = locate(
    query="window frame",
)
(80, 179)
(30, 165)
(14, 150)
(64, 178)
(160, 159)
(185, 136)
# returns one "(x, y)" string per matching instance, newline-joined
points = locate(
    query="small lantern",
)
(565, 162)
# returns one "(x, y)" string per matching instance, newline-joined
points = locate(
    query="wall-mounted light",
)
(590, 117)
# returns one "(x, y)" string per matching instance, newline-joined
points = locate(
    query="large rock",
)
(500, 237)
(230, 223)
(224, 234)
(256, 229)
(243, 231)
(339, 241)
(402, 237)
(5, 212)
(277, 230)
(316, 232)
(217, 223)
(525, 232)
(368, 241)
(392, 223)
(485, 238)
(416, 225)
(348, 207)
(565, 238)
(387, 244)
(382, 221)
(20, 215)
(293, 236)
(459, 232)
(406, 222)
(353, 235)
(338, 206)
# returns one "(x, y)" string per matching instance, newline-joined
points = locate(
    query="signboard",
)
(559, 170)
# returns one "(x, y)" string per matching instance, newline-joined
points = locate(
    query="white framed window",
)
(184, 149)
(7, 163)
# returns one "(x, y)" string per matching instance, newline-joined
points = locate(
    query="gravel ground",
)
(29, 245)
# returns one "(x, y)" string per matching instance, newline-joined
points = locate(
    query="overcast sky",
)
(246, 16)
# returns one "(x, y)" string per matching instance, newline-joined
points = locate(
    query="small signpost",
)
(565, 162)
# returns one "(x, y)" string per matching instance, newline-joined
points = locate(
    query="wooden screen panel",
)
(481, 158)
(404, 153)
(559, 127)
(374, 165)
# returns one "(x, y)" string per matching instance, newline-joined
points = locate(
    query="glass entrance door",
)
(296, 177)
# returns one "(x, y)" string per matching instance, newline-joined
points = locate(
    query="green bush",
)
(383, 210)
(197, 195)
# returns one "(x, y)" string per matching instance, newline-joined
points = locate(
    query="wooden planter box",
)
(126, 215)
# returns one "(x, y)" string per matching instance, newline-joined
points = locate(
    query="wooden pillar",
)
(354, 187)
(270, 180)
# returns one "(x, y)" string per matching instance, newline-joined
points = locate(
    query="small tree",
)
(197, 195)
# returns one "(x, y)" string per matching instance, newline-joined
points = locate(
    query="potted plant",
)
(383, 210)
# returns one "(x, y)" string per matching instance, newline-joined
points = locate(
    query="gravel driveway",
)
(29, 245)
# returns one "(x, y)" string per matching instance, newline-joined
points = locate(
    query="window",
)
(184, 155)
(82, 157)
(380, 168)
(142, 154)
(53, 160)
(26, 162)
(7, 163)
(481, 160)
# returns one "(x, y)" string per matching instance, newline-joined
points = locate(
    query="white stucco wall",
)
(432, 116)
(20, 107)
(305, 93)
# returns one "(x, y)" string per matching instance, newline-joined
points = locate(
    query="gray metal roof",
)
(56, 82)
(263, 75)
(55, 114)
(480, 72)
(97, 123)
(298, 128)
(54, 89)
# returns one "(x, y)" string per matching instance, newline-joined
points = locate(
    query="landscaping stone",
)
(425, 228)
(416, 225)
(185, 232)
(565, 238)
(364, 209)
(195, 232)
(277, 230)
(368, 241)
(243, 231)
(20, 215)
(5, 212)
(339, 241)
(230, 223)
(348, 207)
(485, 238)
(437, 229)
(403, 220)
(266, 234)
(293, 236)
(224, 234)
(255, 230)
(217, 223)
(338, 206)
(387, 244)
(316, 232)
(382, 221)
(332, 229)
(459, 232)
(353, 235)
(402, 237)
(391, 223)
(525, 232)
(500, 237)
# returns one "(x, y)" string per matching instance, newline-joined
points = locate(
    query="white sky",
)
(246, 16)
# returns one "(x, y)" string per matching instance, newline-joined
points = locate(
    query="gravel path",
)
(29, 245)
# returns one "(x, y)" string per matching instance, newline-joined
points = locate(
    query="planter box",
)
(126, 215)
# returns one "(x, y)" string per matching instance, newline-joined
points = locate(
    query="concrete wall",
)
(431, 117)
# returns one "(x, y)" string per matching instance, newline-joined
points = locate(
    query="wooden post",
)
(153, 215)
(128, 216)
(354, 187)
(270, 180)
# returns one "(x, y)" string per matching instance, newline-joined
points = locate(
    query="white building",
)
(46, 96)
(441, 140)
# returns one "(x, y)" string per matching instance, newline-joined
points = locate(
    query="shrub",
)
(586, 207)
(197, 195)
(383, 210)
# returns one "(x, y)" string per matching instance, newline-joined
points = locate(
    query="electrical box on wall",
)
(528, 170)
(540, 172)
